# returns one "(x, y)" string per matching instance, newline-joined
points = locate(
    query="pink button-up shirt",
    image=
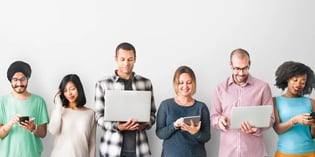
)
(227, 94)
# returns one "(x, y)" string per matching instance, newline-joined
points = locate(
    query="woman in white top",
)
(72, 123)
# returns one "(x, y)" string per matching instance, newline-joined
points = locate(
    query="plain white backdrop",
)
(79, 36)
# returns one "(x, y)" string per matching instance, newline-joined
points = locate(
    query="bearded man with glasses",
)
(17, 137)
(240, 89)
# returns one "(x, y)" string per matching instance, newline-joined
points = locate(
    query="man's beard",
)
(20, 89)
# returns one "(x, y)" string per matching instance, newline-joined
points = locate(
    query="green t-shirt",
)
(20, 142)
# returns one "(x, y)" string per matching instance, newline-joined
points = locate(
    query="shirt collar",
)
(248, 82)
(116, 77)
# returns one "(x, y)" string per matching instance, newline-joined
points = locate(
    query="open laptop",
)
(121, 105)
(258, 116)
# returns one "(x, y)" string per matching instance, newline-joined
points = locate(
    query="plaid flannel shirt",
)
(111, 140)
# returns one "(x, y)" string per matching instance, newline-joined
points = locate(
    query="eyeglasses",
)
(238, 69)
(20, 79)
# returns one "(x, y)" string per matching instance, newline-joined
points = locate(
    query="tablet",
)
(195, 119)
(257, 116)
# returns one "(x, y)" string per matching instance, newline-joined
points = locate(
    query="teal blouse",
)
(298, 139)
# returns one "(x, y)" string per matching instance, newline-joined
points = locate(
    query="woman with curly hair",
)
(293, 123)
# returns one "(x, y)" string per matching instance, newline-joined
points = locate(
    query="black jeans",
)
(124, 155)
(128, 155)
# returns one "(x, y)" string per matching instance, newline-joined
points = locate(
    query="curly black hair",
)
(290, 69)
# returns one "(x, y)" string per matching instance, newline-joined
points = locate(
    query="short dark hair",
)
(81, 100)
(184, 69)
(126, 46)
(290, 69)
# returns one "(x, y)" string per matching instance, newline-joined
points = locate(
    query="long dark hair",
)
(81, 100)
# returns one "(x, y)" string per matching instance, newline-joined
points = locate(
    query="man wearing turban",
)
(22, 138)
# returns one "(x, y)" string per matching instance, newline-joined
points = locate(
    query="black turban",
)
(19, 66)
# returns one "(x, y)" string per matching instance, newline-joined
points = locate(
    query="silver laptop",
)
(121, 105)
(258, 116)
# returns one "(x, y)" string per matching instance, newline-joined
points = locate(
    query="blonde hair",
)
(184, 69)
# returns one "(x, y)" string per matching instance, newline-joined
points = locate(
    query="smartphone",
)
(24, 119)
(313, 115)
(195, 119)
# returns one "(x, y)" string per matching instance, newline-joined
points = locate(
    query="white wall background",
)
(79, 36)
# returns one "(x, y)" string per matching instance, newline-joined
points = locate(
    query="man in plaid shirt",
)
(123, 139)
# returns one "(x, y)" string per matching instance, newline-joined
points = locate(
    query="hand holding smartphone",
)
(23, 119)
(313, 115)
